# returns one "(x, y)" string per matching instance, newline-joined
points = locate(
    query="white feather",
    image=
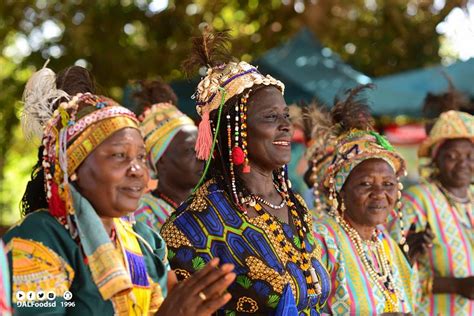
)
(39, 98)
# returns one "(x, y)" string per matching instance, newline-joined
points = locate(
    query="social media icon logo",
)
(20, 295)
(41, 295)
(67, 295)
(30, 295)
(51, 295)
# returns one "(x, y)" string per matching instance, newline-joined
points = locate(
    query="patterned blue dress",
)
(268, 282)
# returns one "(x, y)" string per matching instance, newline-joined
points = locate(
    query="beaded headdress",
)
(75, 128)
(355, 141)
(159, 124)
(225, 80)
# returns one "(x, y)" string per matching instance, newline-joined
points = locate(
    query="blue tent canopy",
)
(317, 71)
(404, 93)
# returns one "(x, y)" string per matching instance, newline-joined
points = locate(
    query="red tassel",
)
(238, 156)
(204, 140)
(57, 208)
(246, 168)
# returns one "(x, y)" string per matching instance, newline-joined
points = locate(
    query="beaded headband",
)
(355, 147)
(68, 140)
(221, 84)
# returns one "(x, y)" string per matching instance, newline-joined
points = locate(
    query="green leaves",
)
(171, 254)
(297, 241)
(273, 300)
(244, 281)
(198, 263)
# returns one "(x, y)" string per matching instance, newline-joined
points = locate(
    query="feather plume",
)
(319, 128)
(39, 98)
(352, 112)
(209, 50)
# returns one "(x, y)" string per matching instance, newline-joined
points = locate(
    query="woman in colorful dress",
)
(170, 138)
(369, 272)
(245, 212)
(73, 247)
(443, 204)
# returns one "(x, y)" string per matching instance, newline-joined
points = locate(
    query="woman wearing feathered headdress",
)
(245, 212)
(73, 253)
(369, 272)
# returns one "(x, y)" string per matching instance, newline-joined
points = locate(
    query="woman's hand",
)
(465, 287)
(419, 243)
(201, 294)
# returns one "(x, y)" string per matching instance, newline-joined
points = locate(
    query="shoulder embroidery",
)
(173, 236)
(199, 202)
(35, 266)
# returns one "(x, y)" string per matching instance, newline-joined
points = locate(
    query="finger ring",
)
(202, 296)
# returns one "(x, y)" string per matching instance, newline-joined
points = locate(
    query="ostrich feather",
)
(39, 99)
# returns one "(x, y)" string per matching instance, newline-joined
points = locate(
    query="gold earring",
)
(343, 208)
(74, 177)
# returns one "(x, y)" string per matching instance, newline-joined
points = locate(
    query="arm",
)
(452, 285)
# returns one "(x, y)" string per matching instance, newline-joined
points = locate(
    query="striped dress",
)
(153, 211)
(353, 291)
(452, 254)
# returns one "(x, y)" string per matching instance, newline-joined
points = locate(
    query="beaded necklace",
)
(165, 198)
(312, 281)
(383, 278)
(454, 202)
(253, 198)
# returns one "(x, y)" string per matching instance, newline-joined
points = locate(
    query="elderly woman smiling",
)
(73, 242)
(246, 213)
(369, 272)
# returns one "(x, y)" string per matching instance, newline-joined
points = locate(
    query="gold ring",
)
(202, 296)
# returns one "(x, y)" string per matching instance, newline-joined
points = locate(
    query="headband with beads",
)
(69, 139)
(221, 84)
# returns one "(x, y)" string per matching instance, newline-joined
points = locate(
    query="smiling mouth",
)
(282, 143)
(377, 208)
(133, 190)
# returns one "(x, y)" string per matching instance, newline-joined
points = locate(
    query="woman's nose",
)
(377, 192)
(136, 168)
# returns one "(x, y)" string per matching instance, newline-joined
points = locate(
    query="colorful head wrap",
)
(159, 125)
(354, 147)
(70, 133)
(450, 125)
(221, 84)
